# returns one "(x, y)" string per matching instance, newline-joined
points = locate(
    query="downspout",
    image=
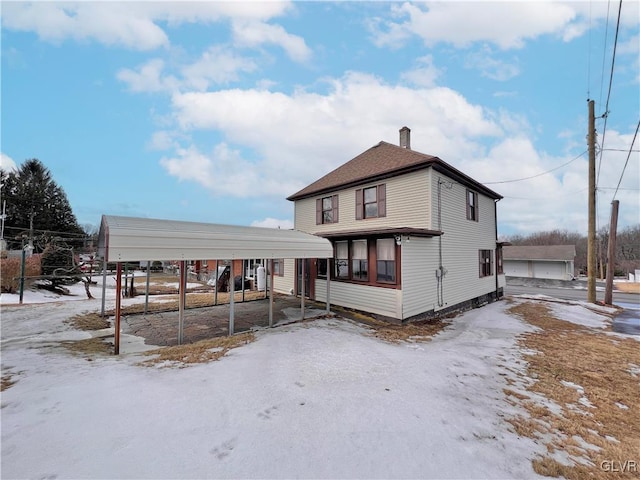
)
(440, 272)
(439, 289)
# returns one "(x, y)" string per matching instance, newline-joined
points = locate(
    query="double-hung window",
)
(472, 206)
(486, 263)
(278, 267)
(327, 210)
(342, 260)
(360, 266)
(386, 260)
(371, 202)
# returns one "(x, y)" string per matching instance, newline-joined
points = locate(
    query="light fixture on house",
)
(398, 239)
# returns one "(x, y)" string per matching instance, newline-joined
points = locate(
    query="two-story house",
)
(412, 235)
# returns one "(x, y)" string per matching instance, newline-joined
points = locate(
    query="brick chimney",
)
(405, 137)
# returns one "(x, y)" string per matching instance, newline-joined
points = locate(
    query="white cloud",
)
(254, 33)
(424, 74)
(631, 46)
(299, 137)
(223, 172)
(165, 140)
(148, 77)
(505, 24)
(110, 23)
(484, 60)
(557, 199)
(273, 223)
(216, 65)
(290, 140)
(7, 164)
(129, 24)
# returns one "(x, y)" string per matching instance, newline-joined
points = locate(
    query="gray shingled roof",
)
(539, 252)
(381, 161)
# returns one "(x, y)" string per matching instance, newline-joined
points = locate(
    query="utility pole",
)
(591, 235)
(611, 253)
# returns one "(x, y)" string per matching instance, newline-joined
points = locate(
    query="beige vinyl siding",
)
(286, 283)
(461, 241)
(419, 264)
(407, 202)
(381, 301)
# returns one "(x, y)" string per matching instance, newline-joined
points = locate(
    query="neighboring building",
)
(555, 262)
(412, 235)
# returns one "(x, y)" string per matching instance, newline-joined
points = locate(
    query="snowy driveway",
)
(322, 399)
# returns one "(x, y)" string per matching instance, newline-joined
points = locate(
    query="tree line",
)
(627, 247)
(37, 208)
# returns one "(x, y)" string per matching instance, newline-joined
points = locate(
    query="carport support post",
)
(104, 285)
(303, 261)
(215, 293)
(232, 293)
(328, 285)
(116, 333)
(146, 292)
(266, 274)
(270, 290)
(181, 298)
(244, 269)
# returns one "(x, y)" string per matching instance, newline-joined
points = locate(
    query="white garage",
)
(553, 262)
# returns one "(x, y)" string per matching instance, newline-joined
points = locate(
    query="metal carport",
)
(124, 239)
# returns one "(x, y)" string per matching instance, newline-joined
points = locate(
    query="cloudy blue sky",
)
(216, 112)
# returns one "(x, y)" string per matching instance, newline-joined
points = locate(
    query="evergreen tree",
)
(31, 192)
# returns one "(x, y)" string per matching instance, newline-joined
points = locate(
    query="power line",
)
(604, 51)
(589, 57)
(606, 108)
(539, 174)
(627, 161)
(547, 196)
(23, 229)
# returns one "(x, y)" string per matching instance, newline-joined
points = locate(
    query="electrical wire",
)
(606, 108)
(604, 51)
(635, 135)
(589, 55)
(539, 174)
(547, 196)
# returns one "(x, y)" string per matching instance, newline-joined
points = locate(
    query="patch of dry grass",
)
(6, 382)
(89, 346)
(604, 411)
(411, 332)
(170, 303)
(88, 321)
(198, 352)
(628, 287)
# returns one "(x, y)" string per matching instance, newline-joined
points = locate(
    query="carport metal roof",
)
(124, 239)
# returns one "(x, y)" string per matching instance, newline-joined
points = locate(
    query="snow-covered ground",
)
(322, 399)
